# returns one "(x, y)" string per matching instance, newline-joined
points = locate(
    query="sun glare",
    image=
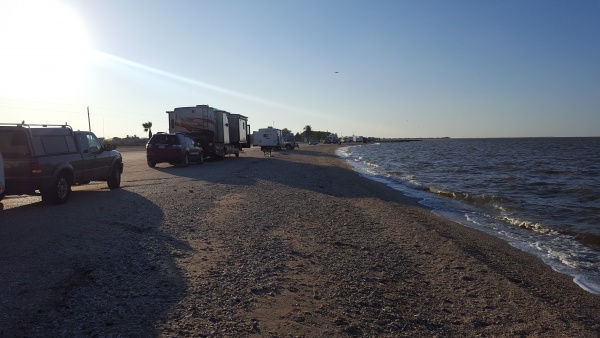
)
(44, 49)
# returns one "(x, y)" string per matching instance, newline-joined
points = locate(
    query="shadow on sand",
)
(102, 250)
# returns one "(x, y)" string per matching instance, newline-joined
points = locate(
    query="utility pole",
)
(89, 123)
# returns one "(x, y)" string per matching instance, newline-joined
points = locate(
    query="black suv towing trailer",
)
(49, 159)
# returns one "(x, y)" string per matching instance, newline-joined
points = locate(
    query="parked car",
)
(313, 142)
(49, 159)
(176, 148)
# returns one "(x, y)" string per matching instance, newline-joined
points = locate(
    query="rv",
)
(268, 139)
(331, 138)
(219, 132)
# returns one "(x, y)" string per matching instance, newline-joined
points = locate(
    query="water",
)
(542, 195)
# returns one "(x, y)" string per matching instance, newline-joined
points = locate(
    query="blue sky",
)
(373, 68)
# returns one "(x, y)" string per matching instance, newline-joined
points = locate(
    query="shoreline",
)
(520, 239)
(501, 289)
(571, 254)
(298, 244)
(511, 269)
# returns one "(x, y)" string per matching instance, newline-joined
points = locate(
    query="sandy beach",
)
(293, 245)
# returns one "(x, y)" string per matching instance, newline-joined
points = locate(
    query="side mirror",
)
(109, 146)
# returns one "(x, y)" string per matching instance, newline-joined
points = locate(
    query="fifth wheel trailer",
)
(219, 132)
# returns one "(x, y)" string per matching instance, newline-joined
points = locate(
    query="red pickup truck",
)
(49, 159)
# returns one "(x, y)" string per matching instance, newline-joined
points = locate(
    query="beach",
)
(293, 245)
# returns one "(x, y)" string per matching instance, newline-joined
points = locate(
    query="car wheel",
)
(288, 147)
(151, 164)
(237, 154)
(186, 160)
(59, 192)
(201, 159)
(114, 181)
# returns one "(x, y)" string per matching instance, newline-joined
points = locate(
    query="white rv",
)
(331, 138)
(268, 139)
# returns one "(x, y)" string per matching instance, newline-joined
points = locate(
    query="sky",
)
(399, 68)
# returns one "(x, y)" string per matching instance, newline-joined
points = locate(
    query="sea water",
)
(542, 195)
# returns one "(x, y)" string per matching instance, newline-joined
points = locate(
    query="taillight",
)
(36, 169)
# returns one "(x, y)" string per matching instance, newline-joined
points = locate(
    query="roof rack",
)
(27, 125)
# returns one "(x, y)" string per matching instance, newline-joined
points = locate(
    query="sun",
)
(45, 49)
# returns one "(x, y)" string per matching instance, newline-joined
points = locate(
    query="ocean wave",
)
(528, 225)
(482, 199)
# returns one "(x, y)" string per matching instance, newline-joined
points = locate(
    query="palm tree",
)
(148, 127)
(307, 131)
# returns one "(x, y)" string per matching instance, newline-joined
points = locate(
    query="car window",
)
(89, 143)
(94, 143)
(164, 139)
(55, 144)
(13, 143)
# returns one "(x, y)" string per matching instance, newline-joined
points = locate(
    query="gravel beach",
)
(293, 245)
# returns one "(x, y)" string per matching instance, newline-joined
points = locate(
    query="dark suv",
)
(175, 148)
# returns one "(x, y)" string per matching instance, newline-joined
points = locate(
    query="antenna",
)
(89, 123)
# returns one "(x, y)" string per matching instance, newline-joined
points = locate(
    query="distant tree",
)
(286, 131)
(320, 135)
(307, 131)
(148, 127)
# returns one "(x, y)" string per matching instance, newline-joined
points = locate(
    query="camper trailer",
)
(219, 132)
(268, 139)
(331, 138)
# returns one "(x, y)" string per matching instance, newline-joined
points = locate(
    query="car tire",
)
(186, 160)
(151, 164)
(114, 181)
(288, 147)
(201, 159)
(59, 192)
(237, 154)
